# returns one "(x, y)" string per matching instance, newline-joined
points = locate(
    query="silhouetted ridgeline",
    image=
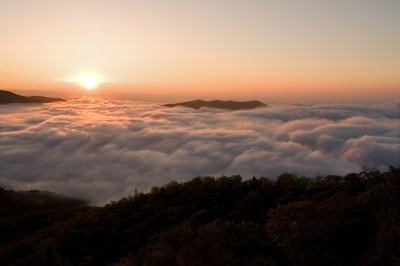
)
(333, 220)
(20, 202)
(230, 105)
(10, 97)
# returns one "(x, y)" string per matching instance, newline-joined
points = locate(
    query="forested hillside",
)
(326, 220)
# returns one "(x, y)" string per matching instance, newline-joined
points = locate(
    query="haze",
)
(302, 50)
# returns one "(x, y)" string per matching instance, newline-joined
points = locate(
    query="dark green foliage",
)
(215, 243)
(332, 220)
(332, 232)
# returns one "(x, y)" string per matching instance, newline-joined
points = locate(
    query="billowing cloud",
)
(103, 150)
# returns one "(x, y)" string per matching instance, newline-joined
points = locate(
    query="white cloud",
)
(102, 150)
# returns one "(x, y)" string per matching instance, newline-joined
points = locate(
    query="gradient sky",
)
(309, 49)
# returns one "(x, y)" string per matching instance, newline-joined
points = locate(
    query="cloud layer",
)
(101, 150)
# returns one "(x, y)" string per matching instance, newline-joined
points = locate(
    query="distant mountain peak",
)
(10, 97)
(229, 105)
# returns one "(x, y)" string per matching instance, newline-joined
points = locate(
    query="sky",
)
(295, 50)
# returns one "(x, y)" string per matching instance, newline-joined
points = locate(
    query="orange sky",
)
(315, 49)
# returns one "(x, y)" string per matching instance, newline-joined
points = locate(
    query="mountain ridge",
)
(219, 104)
(10, 97)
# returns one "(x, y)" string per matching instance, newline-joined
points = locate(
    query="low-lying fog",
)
(102, 150)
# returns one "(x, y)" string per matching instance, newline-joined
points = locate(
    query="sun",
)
(88, 82)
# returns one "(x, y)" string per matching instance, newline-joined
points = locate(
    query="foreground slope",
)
(332, 220)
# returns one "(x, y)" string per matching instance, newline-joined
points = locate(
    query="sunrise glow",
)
(268, 49)
(88, 82)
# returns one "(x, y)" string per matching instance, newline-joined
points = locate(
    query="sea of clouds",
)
(102, 150)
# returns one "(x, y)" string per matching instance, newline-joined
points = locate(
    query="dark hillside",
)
(21, 202)
(332, 220)
(10, 97)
